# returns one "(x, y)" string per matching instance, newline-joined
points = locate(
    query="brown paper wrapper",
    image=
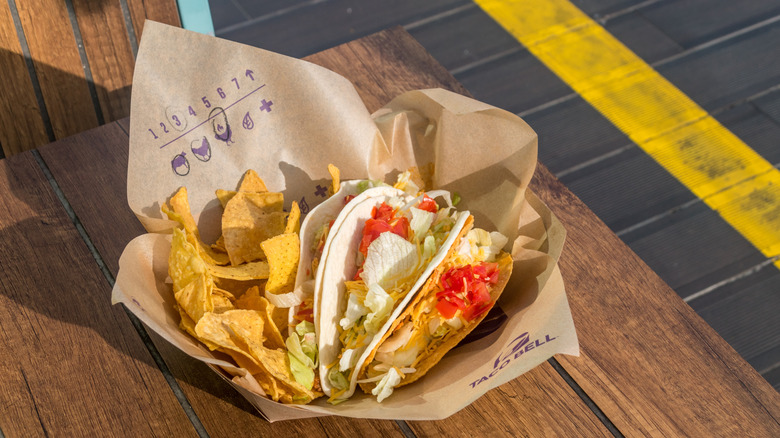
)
(201, 117)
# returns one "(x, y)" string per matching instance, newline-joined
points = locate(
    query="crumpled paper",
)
(201, 124)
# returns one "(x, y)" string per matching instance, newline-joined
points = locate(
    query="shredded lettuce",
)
(304, 327)
(390, 259)
(380, 304)
(385, 386)
(302, 351)
(429, 248)
(366, 184)
(338, 380)
(421, 222)
(355, 310)
(348, 358)
(301, 372)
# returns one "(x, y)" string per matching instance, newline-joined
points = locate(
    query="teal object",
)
(196, 16)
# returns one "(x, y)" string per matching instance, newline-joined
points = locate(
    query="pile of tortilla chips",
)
(221, 289)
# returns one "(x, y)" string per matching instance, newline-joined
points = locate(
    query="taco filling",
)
(453, 301)
(399, 240)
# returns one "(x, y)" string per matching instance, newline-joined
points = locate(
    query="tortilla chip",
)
(180, 212)
(245, 271)
(219, 245)
(224, 196)
(221, 303)
(180, 205)
(251, 182)
(225, 293)
(251, 300)
(195, 298)
(188, 325)
(248, 220)
(184, 261)
(276, 363)
(283, 253)
(335, 174)
(293, 219)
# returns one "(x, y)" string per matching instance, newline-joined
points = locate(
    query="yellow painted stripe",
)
(706, 157)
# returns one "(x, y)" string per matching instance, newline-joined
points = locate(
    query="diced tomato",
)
(305, 315)
(348, 198)
(479, 293)
(473, 311)
(428, 204)
(466, 288)
(446, 309)
(401, 227)
(382, 220)
(371, 231)
(383, 213)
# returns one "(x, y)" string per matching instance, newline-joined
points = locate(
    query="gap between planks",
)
(74, 24)
(174, 385)
(31, 70)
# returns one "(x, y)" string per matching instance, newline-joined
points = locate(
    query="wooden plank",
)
(694, 383)
(226, 13)
(75, 364)
(462, 38)
(91, 170)
(164, 11)
(536, 404)
(109, 53)
(694, 23)
(642, 36)
(717, 76)
(21, 124)
(290, 33)
(518, 82)
(259, 9)
(608, 187)
(689, 236)
(390, 63)
(747, 316)
(769, 105)
(55, 55)
(572, 133)
(377, 81)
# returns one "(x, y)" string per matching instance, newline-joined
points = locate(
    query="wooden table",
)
(74, 365)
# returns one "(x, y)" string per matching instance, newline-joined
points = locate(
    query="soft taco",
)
(454, 300)
(385, 248)
(317, 228)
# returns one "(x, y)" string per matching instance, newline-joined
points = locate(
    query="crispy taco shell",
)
(438, 348)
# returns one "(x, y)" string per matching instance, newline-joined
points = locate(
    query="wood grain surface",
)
(72, 364)
(109, 53)
(163, 11)
(647, 360)
(91, 170)
(58, 66)
(21, 124)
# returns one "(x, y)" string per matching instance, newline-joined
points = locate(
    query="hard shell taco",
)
(454, 300)
(386, 247)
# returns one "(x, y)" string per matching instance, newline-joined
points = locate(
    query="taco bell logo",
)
(516, 348)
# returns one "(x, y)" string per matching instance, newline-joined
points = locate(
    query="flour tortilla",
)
(431, 357)
(328, 210)
(340, 266)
